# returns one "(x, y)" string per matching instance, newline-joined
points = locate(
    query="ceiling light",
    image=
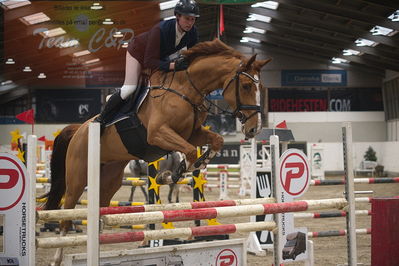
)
(117, 34)
(249, 39)
(81, 53)
(378, 30)
(167, 5)
(96, 6)
(27, 69)
(253, 29)
(364, 42)
(35, 18)
(92, 61)
(10, 61)
(394, 16)
(108, 21)
(14, 4)
(7, 82)
(267, 4)
(52, 33)
(41, 76)
(350, 52)
(337, 60)
(125, 44)
(253, 17)
(67, 44)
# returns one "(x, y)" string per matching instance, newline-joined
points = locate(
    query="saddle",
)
(132, 104)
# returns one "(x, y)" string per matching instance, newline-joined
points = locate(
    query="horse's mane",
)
(208, 48)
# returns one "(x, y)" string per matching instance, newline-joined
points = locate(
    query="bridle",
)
(239, 106)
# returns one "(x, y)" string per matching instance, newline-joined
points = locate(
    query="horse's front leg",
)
(201, 137)
(167, 139)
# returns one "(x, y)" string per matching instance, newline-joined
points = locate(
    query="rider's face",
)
(186, 22)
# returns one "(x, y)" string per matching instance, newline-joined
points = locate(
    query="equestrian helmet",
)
(187, 8)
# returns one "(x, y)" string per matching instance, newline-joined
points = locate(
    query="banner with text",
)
(325, 99)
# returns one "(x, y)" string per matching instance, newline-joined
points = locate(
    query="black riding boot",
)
(110, 108)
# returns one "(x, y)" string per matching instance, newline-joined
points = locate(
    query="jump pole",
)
(77, 214)
(31, 169)
(222, 212)
(349, 195)
(93, 187)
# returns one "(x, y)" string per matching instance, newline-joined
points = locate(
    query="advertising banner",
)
(67, 43)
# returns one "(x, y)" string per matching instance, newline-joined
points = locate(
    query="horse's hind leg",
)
(111, 180)
(76, 181)
(171, 188)
(132, 193)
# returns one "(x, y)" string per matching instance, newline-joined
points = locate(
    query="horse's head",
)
(242, 92)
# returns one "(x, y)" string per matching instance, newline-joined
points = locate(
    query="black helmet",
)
(187, 8)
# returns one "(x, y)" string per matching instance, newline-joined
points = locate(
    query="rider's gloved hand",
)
(181, 64)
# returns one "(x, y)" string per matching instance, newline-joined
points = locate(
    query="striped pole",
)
(113, 203)
(361, 231)
(221, 212)
(382, 180)
(331, 214)
(71, 214)
(139, 182)
(137, 226)
(111, 238)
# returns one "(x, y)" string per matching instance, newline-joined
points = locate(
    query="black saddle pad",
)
(134, 136)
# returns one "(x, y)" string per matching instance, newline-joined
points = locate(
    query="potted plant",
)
(371, 155)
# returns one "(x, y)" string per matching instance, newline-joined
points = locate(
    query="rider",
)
(157, 48)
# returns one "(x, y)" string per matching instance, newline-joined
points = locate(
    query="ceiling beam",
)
(330, 40)
(361, 16)
(394, 4)
(284, 51)
(310, 48)
(324, 25)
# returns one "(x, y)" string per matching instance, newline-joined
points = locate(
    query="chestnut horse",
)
(173, 115)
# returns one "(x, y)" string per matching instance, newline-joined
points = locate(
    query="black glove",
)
(181, 64)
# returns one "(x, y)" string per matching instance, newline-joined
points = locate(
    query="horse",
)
(170, 118)
(167, 166)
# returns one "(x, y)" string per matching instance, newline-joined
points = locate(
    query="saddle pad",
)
(134, 136)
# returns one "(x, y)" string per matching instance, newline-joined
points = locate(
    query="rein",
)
(202, 108)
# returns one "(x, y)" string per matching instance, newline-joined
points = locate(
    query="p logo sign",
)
(227, 257)
(294, 172)
(12, 181)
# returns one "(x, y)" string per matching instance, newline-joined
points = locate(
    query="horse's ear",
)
(250, 61)
(260, 63)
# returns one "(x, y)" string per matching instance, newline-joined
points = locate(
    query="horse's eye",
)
(247, 86)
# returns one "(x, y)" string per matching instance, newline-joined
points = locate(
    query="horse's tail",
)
(57, 166)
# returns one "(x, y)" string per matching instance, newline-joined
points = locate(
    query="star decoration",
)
(213, 222)
(20, 155)
(153, 184)
(15, 136)
(168, 225)
(56, 133)
(156, 163)
(199, 182)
